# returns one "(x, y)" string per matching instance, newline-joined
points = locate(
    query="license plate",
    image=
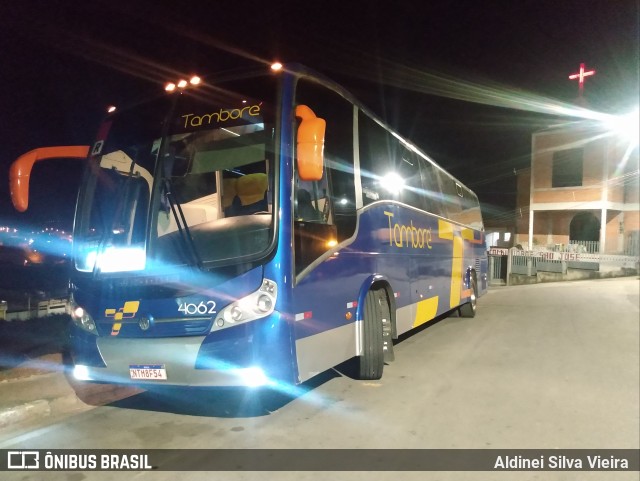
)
(148, 372)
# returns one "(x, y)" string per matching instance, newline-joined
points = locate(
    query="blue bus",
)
(255, 229)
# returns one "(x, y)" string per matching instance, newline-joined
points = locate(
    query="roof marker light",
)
(276, 66)
(194, 80)
(111, 108)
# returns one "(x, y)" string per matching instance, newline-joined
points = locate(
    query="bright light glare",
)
(111, 108)
(117, 259)
(90, 260)
(81, 373)
(392, 182)
(432, 83)
(252, 376)
(182, 84)
(275, 66)
(78, 312)
(195, 80)
(170, 87)
(625, 126)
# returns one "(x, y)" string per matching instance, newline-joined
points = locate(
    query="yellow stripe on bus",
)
(426, 311)
(456, 272)
(446, 230)
(467, 234)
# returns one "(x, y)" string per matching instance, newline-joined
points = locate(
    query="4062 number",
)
(203, 307)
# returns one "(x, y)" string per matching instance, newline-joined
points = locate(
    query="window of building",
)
(567, 168)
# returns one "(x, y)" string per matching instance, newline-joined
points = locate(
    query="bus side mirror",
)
(310, 145)
(20, 170)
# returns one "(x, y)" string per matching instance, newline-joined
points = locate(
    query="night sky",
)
(434, 70)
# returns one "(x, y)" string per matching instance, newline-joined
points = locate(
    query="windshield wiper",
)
(181, 222)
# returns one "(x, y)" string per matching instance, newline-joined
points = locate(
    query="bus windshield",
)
(183, 180)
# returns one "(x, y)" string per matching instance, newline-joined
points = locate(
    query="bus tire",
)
(469, 309)
(371, 361)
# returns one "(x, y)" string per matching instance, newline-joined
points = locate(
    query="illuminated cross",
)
(580, 76)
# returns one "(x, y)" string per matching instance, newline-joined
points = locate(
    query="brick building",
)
(582, 188)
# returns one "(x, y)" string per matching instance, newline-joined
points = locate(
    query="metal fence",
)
(497, 270)
(586, 247)
(631, 247)
(589, 247)
(524, 264)
(577, 257)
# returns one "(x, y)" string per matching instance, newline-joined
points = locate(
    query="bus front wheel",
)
(371, 361)
(469, 309)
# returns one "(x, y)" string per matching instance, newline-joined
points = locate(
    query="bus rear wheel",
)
(371, 361)
(469, 309)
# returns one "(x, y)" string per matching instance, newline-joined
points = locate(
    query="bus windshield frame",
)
(182, 180)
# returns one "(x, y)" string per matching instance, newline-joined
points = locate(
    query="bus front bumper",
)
(174, 360)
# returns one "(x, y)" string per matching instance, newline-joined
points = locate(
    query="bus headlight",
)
(81, 373)
(82, 318)
(265, 304)
(256, 305)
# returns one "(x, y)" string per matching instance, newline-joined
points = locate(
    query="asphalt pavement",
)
(42, 387)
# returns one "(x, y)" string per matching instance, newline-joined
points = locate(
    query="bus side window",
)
(470, 214)
(389, 170)
(305, 210)
(431, 190)
(452, 199)
(324, 211)
(408, 168)
(377, 159)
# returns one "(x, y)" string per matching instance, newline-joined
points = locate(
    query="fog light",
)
(81, 373)
(252, 376)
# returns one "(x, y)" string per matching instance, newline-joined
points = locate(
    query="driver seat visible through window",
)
(304, 207)
(251, 192)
